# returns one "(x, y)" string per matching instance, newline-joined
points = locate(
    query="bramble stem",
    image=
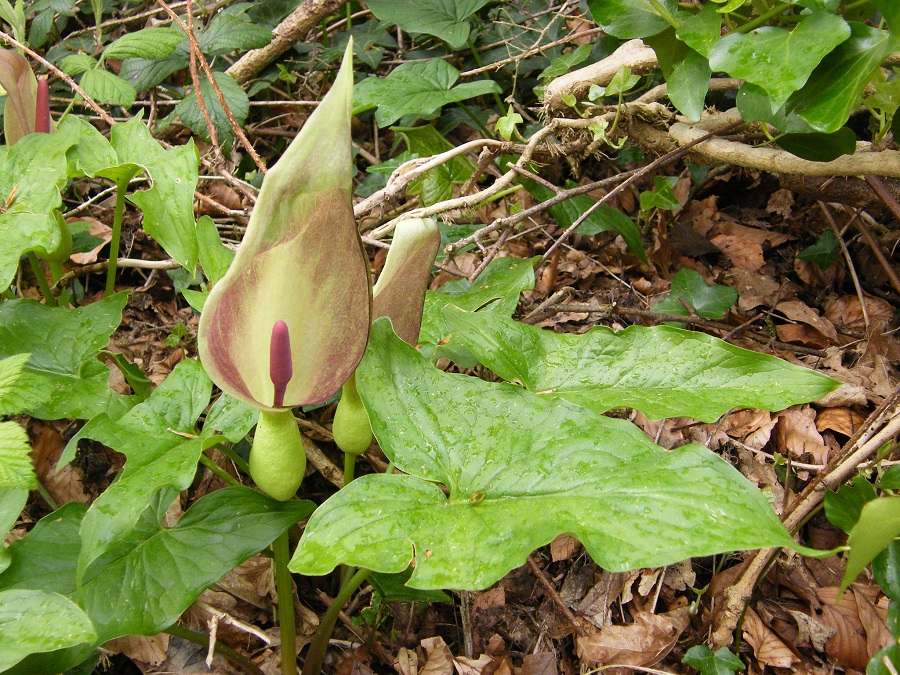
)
(49, 298)
(316, 654)
(284, 588)
(119, 210)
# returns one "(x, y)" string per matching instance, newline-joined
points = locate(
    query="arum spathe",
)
(399, 295)
(301, 267)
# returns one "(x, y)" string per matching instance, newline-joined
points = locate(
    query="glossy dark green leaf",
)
(709, 301)
(688, 85)
(496, 289)
(604, 218)
(833, 89)
(877, 664)
(702, 30)
(890, 10)
(661, 197)
(819, 147)
(163, 570)
(776, 59)
(63, 377)
(661, 371)
(629, 19)
(416, 88)
(886, 571)
(890, 479)
(393, 588)
(520, 469)
(755, 105)
(445, 19)
(842, 508)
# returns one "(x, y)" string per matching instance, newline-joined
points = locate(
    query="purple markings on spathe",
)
(281, 367)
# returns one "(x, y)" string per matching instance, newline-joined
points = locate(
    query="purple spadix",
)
(281, 365)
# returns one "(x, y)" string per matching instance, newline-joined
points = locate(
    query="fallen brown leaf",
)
(847, 311)
(406, 662)
(744, 253)
(543, 663)
(563, 547)
(767, 647)
(848, 645)
(796, 435)
(440, 660)
(842, 420)
(149, 649)
(642, 643)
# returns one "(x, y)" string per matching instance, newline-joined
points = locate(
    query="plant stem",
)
(477, 57)
(316, 654)
(763, 18)
(219, 471)
(239, 461)
(349, 468)
(49, 298)
(220, 648)
(121, 187)
(284, 588)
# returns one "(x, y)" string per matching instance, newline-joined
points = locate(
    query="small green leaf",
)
(628, 19)
(63, 377)
(842, 508)
(134, 376)
(34, 621)
(417, 88)
(722, 662)
(106, 87)
(877, 527)
(890, 479)
(688, 84)
(661, 371)
(229, 32)
(147, 43)
(76, 64)
(12, 501)
(496, 289)
(824, 252)
(709, 301)
(445, 19)
(702, 30)
(393, 588)
(539, 467)
(564, 63)
(188, 110)
(662, 196)
(215, 257)
(604, 218)
(506, 125)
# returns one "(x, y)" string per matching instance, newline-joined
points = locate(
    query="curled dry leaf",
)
(847, 311)
(877, 634)
(642, 643)
(848, 645)
(756, 289)
(440, 660)
(563, 547)
(798, 311)
(745, 254)
(149, 649)
(767, 647)
(407, 662)
(796, 435)
(752, 427)
(811, 630)
(842, 420)
(477, 666)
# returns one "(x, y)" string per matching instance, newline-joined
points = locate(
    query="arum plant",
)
(289, 321)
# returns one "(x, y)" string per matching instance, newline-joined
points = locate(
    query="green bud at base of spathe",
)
(278, 458)
(351, 428)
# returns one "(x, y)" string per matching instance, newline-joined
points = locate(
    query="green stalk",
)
(220, 649)
(49, 298)
(239, 461)
(763, 18)
(316, 654)
(349, 468)
(121, 186)
(281, 552)
(477, 57)
(219, 471)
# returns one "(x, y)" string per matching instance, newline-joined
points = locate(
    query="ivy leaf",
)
(778, 60)
(417, 88)
(708, 301)
(564, 63)
(506, 125)
(34, 621)
(496, 289)
(661, 197)
(842, 508)
(230, 32)
(688, 84)
(629, 19)
(63, 377)
(722, 662)
(529, 470)
(820, 147)
(877, 527)
(701, 31)
(834, 87)
(661, 371)
(824, 252)
(445, 19)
